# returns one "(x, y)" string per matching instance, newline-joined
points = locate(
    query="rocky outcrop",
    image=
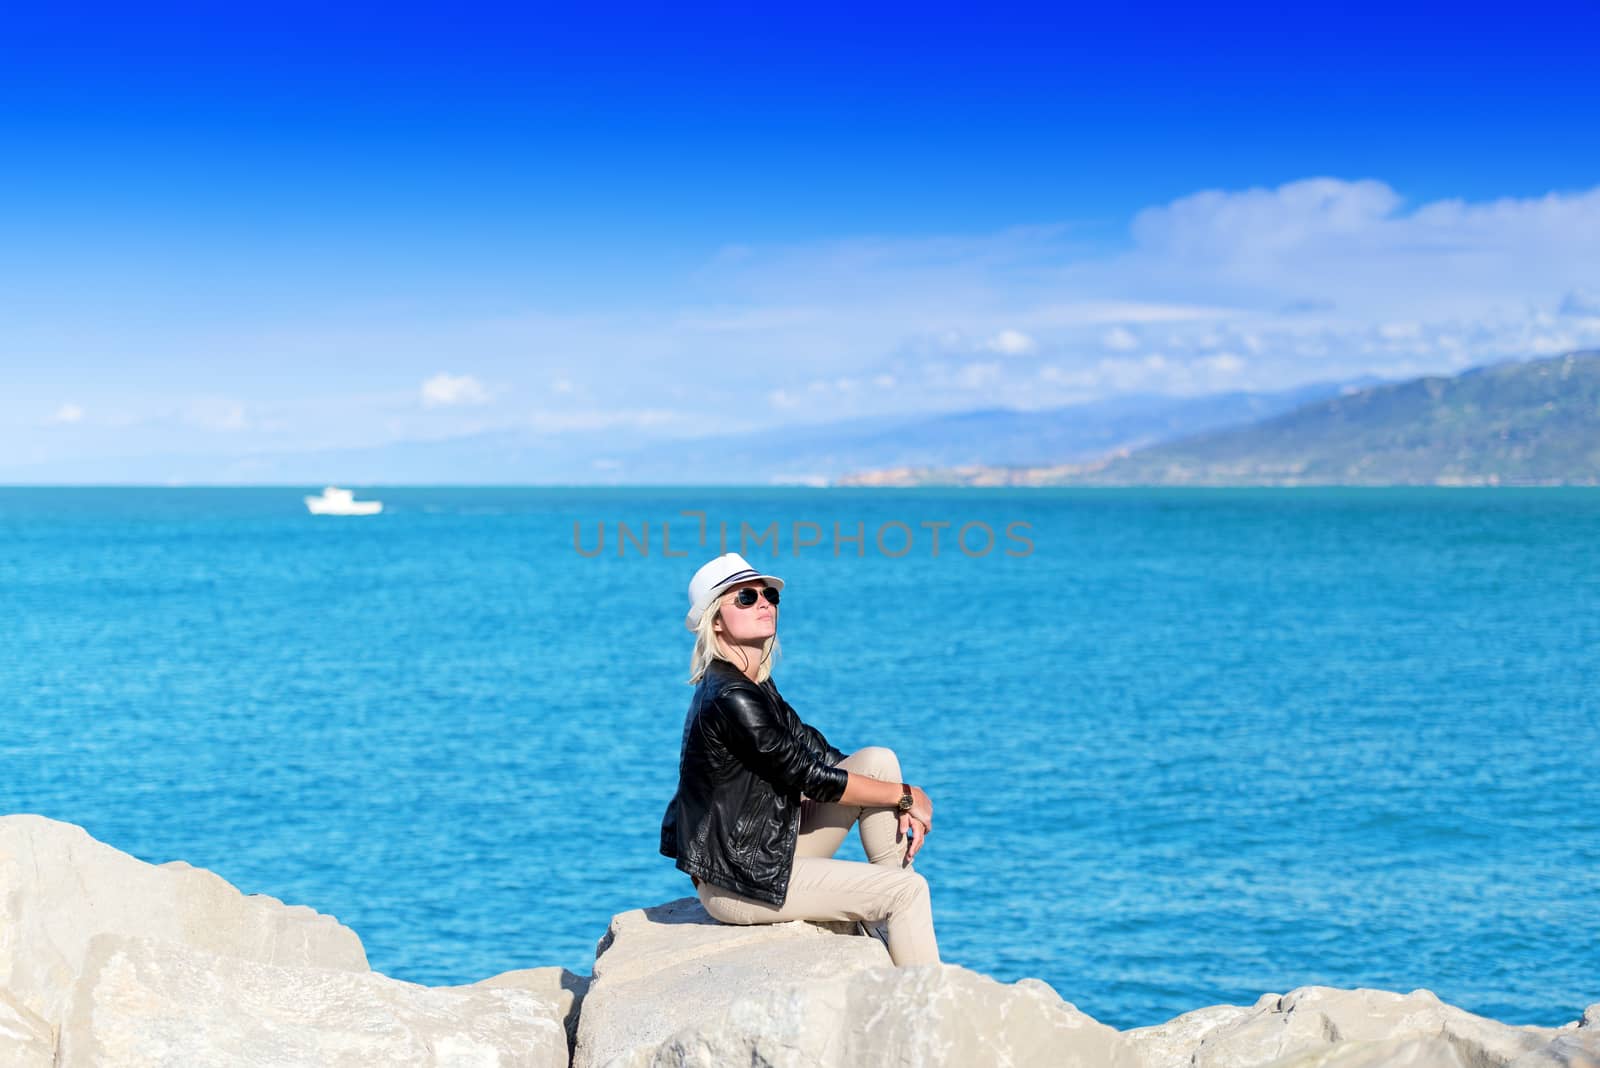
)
(673, 986)
(658, 969)
(109, 962)
(924, 1015)
(59, 888)
(1318, 1025)
(563, 989)
(146, 1002)
(26, 1041)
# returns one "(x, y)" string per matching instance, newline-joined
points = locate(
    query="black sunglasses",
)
(747, 596)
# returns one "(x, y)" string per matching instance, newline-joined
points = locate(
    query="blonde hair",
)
(707, 648)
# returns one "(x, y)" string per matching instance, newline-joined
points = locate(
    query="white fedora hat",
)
(716, 576)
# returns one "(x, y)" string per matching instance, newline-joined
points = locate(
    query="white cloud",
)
(68, 413)
(1551, 344)
(447, 390)
(1119, 339)
(1224, 363)
(1011, 343)
(1260, 223)
(1352, 246)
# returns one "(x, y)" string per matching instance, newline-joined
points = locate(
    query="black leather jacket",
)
(745, 761)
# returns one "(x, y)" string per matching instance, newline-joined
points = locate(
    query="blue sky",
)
(226, 231)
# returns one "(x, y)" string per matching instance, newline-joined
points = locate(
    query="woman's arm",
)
(865, 790)
(823, 746)
(766, 744)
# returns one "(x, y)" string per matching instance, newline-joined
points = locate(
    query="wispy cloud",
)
(1011, 343)
(447, 391)
(1119, 339)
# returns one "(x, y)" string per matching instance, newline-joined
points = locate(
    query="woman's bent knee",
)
(913, 887)
(878, 761)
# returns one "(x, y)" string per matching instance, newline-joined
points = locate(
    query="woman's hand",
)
(918, 839)
(921, 815)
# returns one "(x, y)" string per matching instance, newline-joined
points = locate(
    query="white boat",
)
(336, 501)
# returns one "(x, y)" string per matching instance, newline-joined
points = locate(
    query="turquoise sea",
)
(1185, 746)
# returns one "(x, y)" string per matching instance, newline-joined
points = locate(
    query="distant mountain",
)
(806, 453)
(1517, 423)
(823, 452)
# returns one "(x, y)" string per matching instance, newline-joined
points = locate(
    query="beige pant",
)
(822, 888)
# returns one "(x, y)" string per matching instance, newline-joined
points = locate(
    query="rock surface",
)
(1414, 1052)
(661, 969)
(109, 962)
(563, 989)
(673, 987)
(930, 1014)
(1315, 1019)
(59, 888)
(1574, 1049)
(26, 1041)
(143, 1002)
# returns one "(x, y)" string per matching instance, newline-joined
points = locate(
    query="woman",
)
(764, 800)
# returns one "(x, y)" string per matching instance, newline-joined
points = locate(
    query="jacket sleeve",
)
(833, 754)
(822, 745)
(759, 738)
(669, 829)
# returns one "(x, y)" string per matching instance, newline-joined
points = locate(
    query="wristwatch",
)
(905, 798)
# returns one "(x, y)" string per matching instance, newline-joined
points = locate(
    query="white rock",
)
(144, 1003)
(59, 888)
(1316, 1018)
(916, 1017)
(1434, 1051)
(564, 988)
(672, 986)
(25, 1040)
(1570, 1049)
(1175, 1041)
(660, 970)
